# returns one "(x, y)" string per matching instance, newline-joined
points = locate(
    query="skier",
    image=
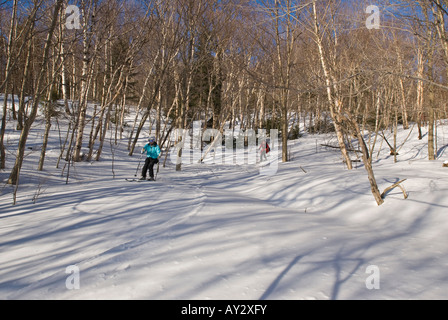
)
(152, 157)
(264, 148)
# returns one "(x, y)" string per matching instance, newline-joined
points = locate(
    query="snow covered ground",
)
(311, 231)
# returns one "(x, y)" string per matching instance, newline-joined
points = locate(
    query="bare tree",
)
(9, 63)
(334, 102)
(39, 90)
(88, 10)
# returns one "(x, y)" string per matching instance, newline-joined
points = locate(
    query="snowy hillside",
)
(311, 231)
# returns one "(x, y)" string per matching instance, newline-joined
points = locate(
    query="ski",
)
(138, 180)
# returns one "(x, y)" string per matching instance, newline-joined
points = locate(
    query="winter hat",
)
(152, 139)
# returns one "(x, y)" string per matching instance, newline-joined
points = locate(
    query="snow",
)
(226, 231)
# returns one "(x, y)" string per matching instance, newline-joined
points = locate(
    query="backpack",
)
(267, 148)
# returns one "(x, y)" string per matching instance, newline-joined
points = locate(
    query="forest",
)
(353, 68)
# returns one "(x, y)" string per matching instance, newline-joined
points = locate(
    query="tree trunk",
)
(48, 110)
(104, 133)
(2, 132)
(367, 163)
(335, 105)
(419, 105)
(85, 83)
(431, 129)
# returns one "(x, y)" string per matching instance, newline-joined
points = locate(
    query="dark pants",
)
(149, 165)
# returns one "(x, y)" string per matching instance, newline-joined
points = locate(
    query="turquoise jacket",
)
(151, 151)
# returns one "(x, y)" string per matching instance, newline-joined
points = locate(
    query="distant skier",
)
(152, 157)
(264, 148)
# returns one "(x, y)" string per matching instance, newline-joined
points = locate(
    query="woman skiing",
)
(152, 157)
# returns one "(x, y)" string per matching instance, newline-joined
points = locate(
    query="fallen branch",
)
(397, 184)
(392, 149)
(338, 147)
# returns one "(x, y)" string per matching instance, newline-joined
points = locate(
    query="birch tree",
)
(9, 62)
(333, 101)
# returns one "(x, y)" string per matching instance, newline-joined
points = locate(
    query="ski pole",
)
(157, 172)
(138, 167)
